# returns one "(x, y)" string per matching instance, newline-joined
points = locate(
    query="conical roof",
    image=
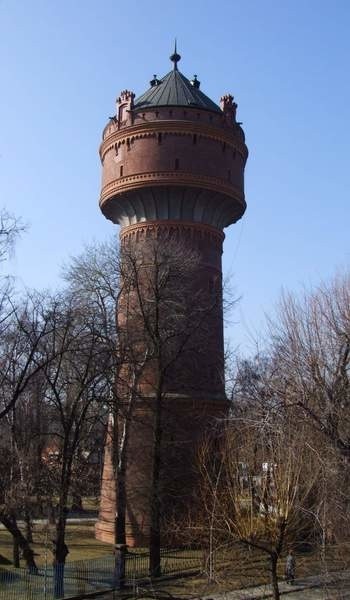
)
(175, 90)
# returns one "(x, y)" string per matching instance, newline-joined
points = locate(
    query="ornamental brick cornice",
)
(172, 178)
(175, 127)
(157, 225)
(140, 231)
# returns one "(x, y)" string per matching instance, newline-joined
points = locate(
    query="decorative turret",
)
(229, 108)
(125, 106)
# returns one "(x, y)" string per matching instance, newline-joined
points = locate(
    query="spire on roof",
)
(174, 89)
(175, 57)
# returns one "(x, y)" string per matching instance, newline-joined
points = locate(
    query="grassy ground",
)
(235, 568)
(79, 539)
(242, 569)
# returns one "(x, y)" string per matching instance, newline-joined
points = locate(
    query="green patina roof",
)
(175, 90)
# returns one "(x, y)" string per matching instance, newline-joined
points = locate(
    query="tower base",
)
(104, 531)
(179, 485)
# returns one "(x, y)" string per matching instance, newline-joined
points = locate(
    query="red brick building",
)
(173, 166)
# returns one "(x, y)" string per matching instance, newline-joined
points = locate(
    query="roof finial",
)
(175, 57)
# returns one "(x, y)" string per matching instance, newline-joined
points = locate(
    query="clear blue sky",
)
(287, 64)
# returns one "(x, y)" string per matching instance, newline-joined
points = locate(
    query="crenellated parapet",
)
(115, 138)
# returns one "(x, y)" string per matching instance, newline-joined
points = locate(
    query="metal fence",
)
(82, 577)
(79, 577)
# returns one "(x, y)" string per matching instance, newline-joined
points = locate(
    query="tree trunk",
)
(155, 539)
(120, 457)
(274, 579)
(154, 546)
(51, 513)
(121, 505)
(28, 553)
(60, 550)
(15, 549)
(119, 460)
(120, 551)
(77, 503)
(28, 526)
(58, 580)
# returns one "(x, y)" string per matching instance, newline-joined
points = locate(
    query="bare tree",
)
(165, 322)
(22, 472)
(22, 359)
(10, 229)
(264, 486)
(21, 348)
(94, 280)
(106, 281)
(76, 393)
(311, 345)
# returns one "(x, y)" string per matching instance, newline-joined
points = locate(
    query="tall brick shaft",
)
(172, 168)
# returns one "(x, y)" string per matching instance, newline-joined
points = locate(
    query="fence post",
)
(120, 551)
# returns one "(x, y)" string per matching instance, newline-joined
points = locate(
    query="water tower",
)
(173, 163)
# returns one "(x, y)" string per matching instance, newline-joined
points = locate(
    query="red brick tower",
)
(173, 162)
